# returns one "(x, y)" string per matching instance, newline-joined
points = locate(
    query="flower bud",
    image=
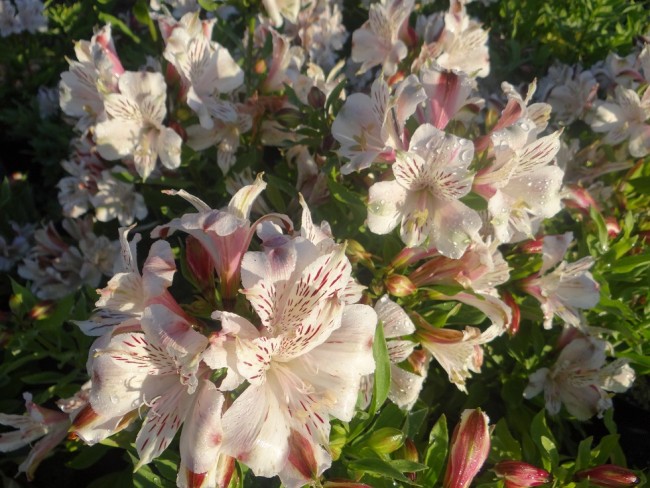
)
(469, 449)
(399, 286)
(338, 438)
(609, 476)
(410, 453)
(386, 440)
(518, 474)
(356, 252)
(513, 327)
(260, 67)
(42, 310)
(612, 226)
(316, 98)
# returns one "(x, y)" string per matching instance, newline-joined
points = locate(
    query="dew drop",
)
(466, 155)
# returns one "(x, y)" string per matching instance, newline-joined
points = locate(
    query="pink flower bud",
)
(518, 474)
(609, 476)
(470, 446)
(613, 227)
(513, 326)
(400, 285)
(580, 199)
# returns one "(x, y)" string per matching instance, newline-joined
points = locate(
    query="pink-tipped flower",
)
(609, 476)
(470, 446)
(517, 474)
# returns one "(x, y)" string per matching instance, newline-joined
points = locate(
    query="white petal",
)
(396, 322)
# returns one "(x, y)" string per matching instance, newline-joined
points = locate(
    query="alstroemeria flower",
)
(459, 353)
(95, 73)
(377, 41)
(206, 68)
(159, 368)
(470, 445)
(424, 197)
(521, 186)
(303, 365)
(462, 45)
(446, 93)
(563, 288)
(624, 119)
(580, 378)
(134, 127)
(372, 128)
(123, 300)
(225, 234)
(39, 422)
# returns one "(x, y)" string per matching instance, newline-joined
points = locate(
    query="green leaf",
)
(583, 459)
(436, 452)
(629, 263)
(141, 13)
(382, 370)
(379, 467)
(5, 192)
(406, 466)
(108, 18)
(87, 456)
(545, 442)
(504, 445)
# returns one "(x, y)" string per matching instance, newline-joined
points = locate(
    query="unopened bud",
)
(396, 78)
(533, 246)
(419, 361)
(608, 476)
(399, 285)
(469, 449)
(316, 97)
(513, 327)
(518, 474)
(288, 117)
(410, 453)
(356, 252)
(260, 67)
(386, 440)
(42, 310)
(579, 198)
(612, 226)
(410, 255)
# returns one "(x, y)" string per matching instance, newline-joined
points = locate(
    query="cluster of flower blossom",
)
(277, 378)
(21, 16)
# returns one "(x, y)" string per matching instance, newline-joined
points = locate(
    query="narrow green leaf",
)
(382, 370)
(378, 467)
(583, 459)
(436, 452)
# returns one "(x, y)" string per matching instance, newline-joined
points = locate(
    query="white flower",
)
(94, 74)
(116, 199)
(580, 378)
(624, 119)
(563, 288)
(9, 21)
(207, 70)
(31, 15)
(304, 365)
(424, 197)
(521, 185)
(134, 127)
(38, 422)
(372, 128)
(463, 43)
(377, 41)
